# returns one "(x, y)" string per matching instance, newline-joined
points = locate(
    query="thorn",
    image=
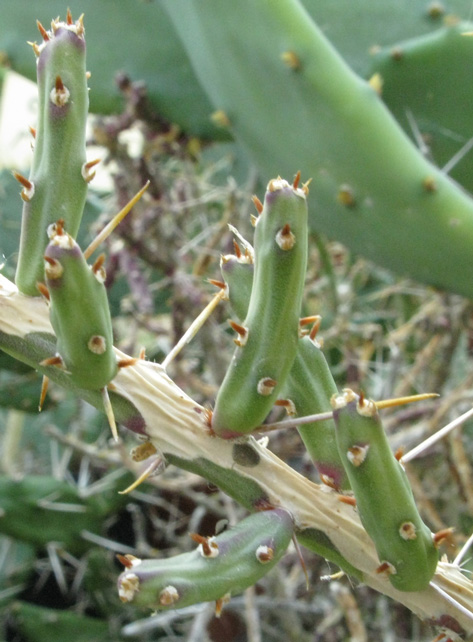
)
(220, 119)
(27, 192)
(241, 331)
(144, 451)
(126, 363)
(253, 221)
(236, 249)
(435, 437)
(399, 453)
(44, 391)
(59, 85)
(328, 481)
(148, 472)
(86, 172)
(362, 399)
(128, 561)
(288, 404)
(387, 568)
(298, 421)
(305, 186)
(142, 354)
(257, 203)
(285, 238)
(36, 49)
(301, 561)
(442, 536)
(69, 17)
(107, 404)
(80, 26)
(52, 361)
(42, 289)
(220, 603)
(33, 132)
(402, 401)
(208, 546)
(297, 179)
(42, 31)
(308, 320)
(194, 327)
(376, 83)
(346, 196)
(347, 499)
(218, 284)
(98, 264)
(108, 229)
(315, 328)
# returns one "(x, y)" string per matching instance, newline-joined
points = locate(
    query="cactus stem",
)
(435, 437)
(107, 405)
(108, 229)
(27, 192)
(42, 31)
(257, 203)
(86, 172)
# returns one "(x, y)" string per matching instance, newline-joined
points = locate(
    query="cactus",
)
(341, 135)
(422, 77)
(267, 339)
(309, 385)
(221, 566)
(57, 185)
(406, 549)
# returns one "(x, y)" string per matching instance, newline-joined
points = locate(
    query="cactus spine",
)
(383, 495)
(57, 186)
(267, 339)
(221, 566)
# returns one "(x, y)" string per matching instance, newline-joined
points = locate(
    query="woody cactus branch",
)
(149, 402)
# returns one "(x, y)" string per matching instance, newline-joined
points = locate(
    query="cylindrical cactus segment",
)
(383, 495)
(221, 566)
(79, 312)
(58, 179)
(309, 385)
(267, 339)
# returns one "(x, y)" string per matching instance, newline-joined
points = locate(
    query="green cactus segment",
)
(57, 185)
(383, 495)
(309, 385)
(79, 313)
(40, 509)
(404, 212)
(424, 82)
(267, 342)
(221, 566)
